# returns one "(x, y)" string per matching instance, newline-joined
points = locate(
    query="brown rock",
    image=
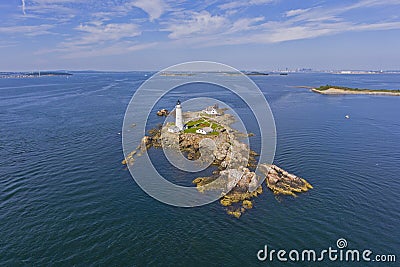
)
(163, 112)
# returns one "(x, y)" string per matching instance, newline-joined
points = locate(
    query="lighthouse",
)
(178, 116)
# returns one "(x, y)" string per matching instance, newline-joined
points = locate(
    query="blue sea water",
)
(65, 198)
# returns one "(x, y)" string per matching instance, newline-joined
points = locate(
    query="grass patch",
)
(192, 126)
(196, 122)
(191, 130)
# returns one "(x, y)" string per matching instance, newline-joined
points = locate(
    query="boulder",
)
(162, 112)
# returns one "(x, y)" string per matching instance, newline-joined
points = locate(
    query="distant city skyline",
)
(124, 35)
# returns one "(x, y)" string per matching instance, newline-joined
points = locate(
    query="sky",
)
(123, 35)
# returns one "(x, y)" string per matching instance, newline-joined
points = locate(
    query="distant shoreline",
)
(340, 90)
(4, 75)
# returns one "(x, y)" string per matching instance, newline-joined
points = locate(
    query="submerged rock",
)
(235, 212)
(247, 204)
(129, 160)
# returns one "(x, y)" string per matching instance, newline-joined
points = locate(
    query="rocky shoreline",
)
(234, 177)
(338, 91)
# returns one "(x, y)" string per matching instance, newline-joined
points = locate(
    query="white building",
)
(178, 116)
(210, 111)
(205, 130)
(173, 129)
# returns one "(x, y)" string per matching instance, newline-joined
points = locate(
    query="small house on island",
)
(205, 130)
(210, 110)
(174, 129)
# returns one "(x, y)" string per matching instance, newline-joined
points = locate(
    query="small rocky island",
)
(163, 112)
(341, 90)
(235, 174)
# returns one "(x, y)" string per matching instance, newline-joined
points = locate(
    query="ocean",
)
(66, 199)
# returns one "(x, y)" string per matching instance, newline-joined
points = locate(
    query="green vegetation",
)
(326, 87)
(216, 127)
(196, 123)
(190, 130)
(192, 126)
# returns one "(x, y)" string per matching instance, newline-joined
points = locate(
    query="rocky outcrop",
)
(239, 187)
(283, 183)
(163, 112)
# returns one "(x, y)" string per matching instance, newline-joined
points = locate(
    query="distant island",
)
(33, 74)
(341, 90)
(255, 73)
(176, 74)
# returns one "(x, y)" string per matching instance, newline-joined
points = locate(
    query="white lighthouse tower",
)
(178, 116)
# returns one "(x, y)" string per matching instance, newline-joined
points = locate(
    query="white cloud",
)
(111, 50)
(4, 44)
(56, 11)
(58, 1)
(199, 23)
(276, 32)
(49, 9)
(98, 39)
(154, 8)
(237, 4)
(96, 31)
(186, 23)
(371, 3)
(23, 7)
(321, 13)
(376, 26)
(297, 24)
(245, 24)
(33, 30)
(295, 12)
